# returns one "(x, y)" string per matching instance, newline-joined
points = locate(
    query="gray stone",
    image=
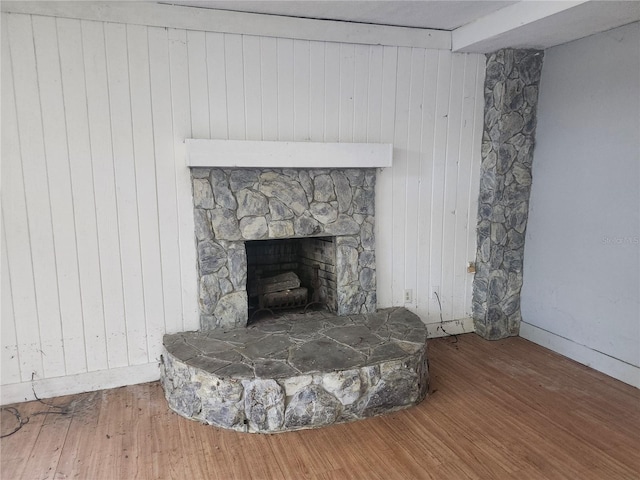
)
(200, 173)
(511, 92)
(367, 236)
(264, 405)
(254, 228)
(347, 259)
(225, 224)
(344, 385)
(202, 225)
(394, 389)
(305, 226)
(310, 407)
(284, 189)
(226, 415)
(356, 336)
(344, 225)
(231, 310)
(323, 212)
(512, 123)
(244, 178)
(351, 298)
(368, 279)
(307, 358)
(266, 347)
(225, 285)
(281, 229)
(221, 192)
(364, 201)
(273, 369)
(211, 257)
(251, 203)
(202, 194)
(209, 293)
(355, 176)
(323, 189)
(367, 259)
(278, 210)
(324, 380)
(343, 190)
(237, 265)
(306, 183)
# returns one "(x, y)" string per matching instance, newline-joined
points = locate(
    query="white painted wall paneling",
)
(98, 248)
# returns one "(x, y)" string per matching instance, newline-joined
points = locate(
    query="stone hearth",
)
(298, 371)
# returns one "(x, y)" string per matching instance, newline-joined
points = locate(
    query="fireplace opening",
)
(290, 274)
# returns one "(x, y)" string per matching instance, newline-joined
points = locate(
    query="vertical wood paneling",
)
(235, 86)
(98, 250)
(374, 100)
(99, 123)
(127, 195)
(285, 89)
(361, 92)
(217, 88)
(463, 187)
(9, 357)
(423, 291)
(400, 162)
(181, 116)
(17, 244)
(332, 92)
(412, 178)
(74, 90)
(198, 84)
(268, 62)
(316, 91)
(252, 87)
(301, 81)
(62, 202)
(474, 180)
(144, 154)
(442, 112)
(36, 192)
(162, 114)
(384, 185)
(347, 76)
(452, 163)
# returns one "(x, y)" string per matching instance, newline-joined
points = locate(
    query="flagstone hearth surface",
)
(298, 370)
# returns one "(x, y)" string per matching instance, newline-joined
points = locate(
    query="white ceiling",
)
(439, 15)
(476, 26)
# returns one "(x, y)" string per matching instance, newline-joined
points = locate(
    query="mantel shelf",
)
(258, 154)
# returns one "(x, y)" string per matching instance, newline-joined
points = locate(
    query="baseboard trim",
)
(601, 362)
(83, 382)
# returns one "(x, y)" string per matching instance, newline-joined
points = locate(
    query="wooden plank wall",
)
(98, 257)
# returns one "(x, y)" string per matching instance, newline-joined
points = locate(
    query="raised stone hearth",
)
(297, 371)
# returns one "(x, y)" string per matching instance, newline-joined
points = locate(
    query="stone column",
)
(511, 96)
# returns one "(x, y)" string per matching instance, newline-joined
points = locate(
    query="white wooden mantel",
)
(259, 154)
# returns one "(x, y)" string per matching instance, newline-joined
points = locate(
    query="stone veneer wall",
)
(234, 205)
(511, 97)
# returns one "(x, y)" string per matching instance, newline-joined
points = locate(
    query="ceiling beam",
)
(503, 28)
(209, 20)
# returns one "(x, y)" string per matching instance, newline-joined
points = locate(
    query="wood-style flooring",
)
(505, 409)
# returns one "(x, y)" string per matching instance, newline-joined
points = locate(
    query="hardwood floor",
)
(505, 409)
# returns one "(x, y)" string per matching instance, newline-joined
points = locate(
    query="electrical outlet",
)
(436, 292)
(408, 296)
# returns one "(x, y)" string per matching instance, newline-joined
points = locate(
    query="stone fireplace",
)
(313, 227)
(234, 206)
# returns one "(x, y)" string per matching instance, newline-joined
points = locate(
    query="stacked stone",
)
(234, 205)
(511, 95)
(298, 371)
